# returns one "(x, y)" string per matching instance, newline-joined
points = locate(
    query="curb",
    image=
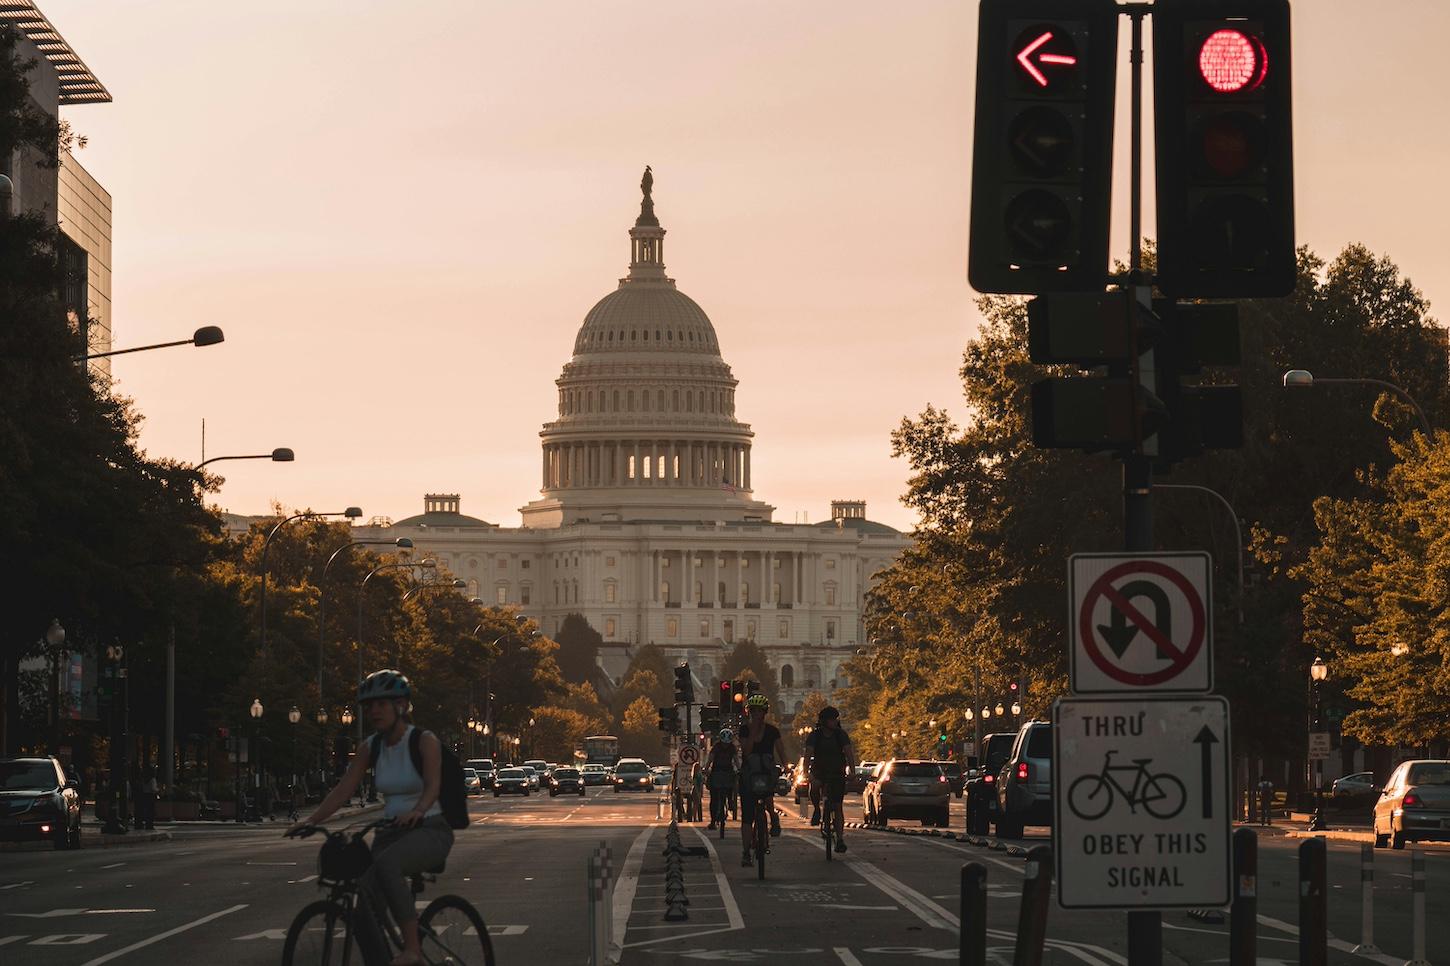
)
(90, 842)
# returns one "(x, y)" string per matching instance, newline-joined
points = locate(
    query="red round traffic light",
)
(1232, 62)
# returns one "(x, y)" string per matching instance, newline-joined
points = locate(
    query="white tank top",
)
(397, 779)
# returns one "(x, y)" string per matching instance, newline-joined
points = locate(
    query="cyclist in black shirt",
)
(760, 751)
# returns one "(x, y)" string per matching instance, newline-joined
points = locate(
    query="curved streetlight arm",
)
(280, 455)
(204, 336)
(402, 543)
(351, 512)
(1238, 532)
(1382, 384)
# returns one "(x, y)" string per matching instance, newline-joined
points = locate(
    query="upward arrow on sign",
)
(1206, 738)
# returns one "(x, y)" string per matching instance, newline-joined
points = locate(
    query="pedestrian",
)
(1266, 800)
(146, 800)
(697, 798)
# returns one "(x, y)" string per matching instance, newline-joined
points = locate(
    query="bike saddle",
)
(1141, 761)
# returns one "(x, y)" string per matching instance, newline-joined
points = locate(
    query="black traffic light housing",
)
(1197, 335)
(1225, 148)
(1042, 154)
(709, 719)
(684, 685)
(669, 720)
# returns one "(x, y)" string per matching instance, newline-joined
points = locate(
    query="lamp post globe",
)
(1318, 671)
(999, 709)
(322, 716)
(256, 709)
(346, 716)
(294, 714)
(1016, 709)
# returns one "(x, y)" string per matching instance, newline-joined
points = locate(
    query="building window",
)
(750, 630)
(720, 590)
(503, 563)
(774, 563)
(699, 591)
(744, 594)
(830, 595)
(745, 563)
(728, 631)
(672, 627)
(704, 627)
(664, 590)
(473, 587)
(830, 630)
(830, 563)
(576, 591)
(783, 627)
(556, 592)
(502, 593)
(609, 591)
(524, 564)
(609, 628)
(787, 676)
(609, 560)
(524, 594)
(664, 561)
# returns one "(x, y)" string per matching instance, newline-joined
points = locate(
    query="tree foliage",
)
(578, 648)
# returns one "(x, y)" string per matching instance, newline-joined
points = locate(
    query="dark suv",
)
(981, 789)
(1024, 785)
(37, 801)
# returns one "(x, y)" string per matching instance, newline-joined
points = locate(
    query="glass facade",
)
(84, 210)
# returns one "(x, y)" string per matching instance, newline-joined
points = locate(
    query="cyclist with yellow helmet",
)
(760, 750)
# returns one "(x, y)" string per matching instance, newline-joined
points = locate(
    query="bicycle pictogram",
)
(1091, 797)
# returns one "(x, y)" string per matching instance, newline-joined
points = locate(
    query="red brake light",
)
(1022, 771)
(1412, 801)
(988, 779)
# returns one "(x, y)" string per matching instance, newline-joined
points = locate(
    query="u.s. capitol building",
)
(646, 523)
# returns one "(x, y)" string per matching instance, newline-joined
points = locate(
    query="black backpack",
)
(452, 796)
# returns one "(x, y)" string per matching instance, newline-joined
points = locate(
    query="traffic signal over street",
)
(1225, 164)
(669, 720)
(684, 686)
(1042, 155)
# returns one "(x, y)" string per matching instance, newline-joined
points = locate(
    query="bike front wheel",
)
(1090, 797)
(453, 933)
(320, 936)
(1163, 796)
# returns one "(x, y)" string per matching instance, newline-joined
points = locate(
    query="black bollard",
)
(1313, 903)
(1244, 913)
(1032, 919)
(972, 950)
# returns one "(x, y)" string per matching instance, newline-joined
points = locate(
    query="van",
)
(1024, 785)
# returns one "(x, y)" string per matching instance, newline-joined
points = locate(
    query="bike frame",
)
(1140, 775)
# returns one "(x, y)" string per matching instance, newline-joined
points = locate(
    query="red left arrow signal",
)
(1025, 58)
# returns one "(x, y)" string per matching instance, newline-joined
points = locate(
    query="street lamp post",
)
(279, 455)
(294, 716)
(1304, 379)
(204, 336)
(362, 591)
(54, 638)
(322, 744)
(256, 712)
(116, 670)
(1233, 517)
(1318, 671)
(351, 513)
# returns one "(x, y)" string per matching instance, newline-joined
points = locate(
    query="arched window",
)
(775, 593)
(744, 593)
(665, 590)
(720, 589)
(473, 587)
(629, 400)
(616, 400)
(589, 402)
(675, 400)
(660, 400)
(611, 591)
(699, 591)
(787, 676)
(689, 402)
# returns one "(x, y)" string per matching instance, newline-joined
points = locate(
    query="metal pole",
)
(1366, 945)
(1417, 883)
(1313, 911)
(972, 947)
(1244, 913)
(1032, 918)
(168, 755)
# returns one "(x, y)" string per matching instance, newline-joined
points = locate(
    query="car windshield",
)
(26, 775)
(907, 769)
(1430, 773)
(511, 773)
(469, 773)
(1039, 743)
(593, 767)
(631, 768)
(951, 768)
(527, 770)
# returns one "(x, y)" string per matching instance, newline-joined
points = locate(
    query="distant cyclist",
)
(828, 755)
(721, 767)
(760, 750)
(420, 838)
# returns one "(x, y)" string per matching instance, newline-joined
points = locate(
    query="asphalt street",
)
(226, 895)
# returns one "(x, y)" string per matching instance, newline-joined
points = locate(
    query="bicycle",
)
(761, 787)
(1162, 795)
(324, 931)
(828, 828)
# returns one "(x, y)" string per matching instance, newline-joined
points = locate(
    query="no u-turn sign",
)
(1140, 622)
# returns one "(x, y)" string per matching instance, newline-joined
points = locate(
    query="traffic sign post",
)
(1318, 745)
(689, 755)
(1140, 622)
(1141, 802)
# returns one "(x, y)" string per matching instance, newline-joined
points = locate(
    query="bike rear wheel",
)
(762, 838)
(452, 932)
(826, 834)
(321, 935)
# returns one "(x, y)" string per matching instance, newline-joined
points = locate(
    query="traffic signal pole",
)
(1145, 929)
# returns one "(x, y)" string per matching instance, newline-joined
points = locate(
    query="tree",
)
(578, 648)
(557, 731)
(639, 734)
(582, 698)
(641, 683)
(748, 656)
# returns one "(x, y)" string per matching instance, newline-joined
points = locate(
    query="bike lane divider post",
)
(972, 944)
(1366, 890)
(1313, 904)
(1032, 917)
(1244, 916)
(1417, 884)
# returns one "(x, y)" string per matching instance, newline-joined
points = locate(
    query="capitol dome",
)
(646, 426)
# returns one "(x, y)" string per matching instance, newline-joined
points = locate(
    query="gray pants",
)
(399, 854)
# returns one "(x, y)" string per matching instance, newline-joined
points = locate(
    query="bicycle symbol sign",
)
(1140, 622)
(1161, 795)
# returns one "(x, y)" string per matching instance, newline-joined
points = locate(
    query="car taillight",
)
(988, 779)
(1022, 771)
(1413, 801)
(941, 778)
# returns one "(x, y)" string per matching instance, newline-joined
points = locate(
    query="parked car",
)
(471, 783)
(858, 777)
(511, 781)
(565, 781)
(485, 768)
(953, 770)
(532, 774)
(1024, 785)
(632, 775)
(980, 790)
(1415, 804)
(594, 774)
(1358, 785)
(909, 788)
(37, 801)
(662, 775)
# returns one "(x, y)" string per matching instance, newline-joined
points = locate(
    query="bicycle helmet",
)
(726, 736)
(386, 683)
(757, 701)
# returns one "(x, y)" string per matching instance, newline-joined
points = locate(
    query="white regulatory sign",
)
(1318, 745)
(1140, 622)
(1141, 802)
(689, 754)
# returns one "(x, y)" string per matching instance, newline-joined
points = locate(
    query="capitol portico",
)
(646, 523)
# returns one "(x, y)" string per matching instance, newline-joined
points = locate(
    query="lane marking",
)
(307, 879)
(1333, 943)
(727, 896)
(628, 881)
(846, 957)
(113, 865)
(172, 932)
(17, 885)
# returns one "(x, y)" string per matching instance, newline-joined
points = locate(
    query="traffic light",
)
(1113, 412)
(1197, 335)
(1225, 159)
(684, 686)
(669, 720)
(726, 694)
(1042, 155)
(709, 719)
